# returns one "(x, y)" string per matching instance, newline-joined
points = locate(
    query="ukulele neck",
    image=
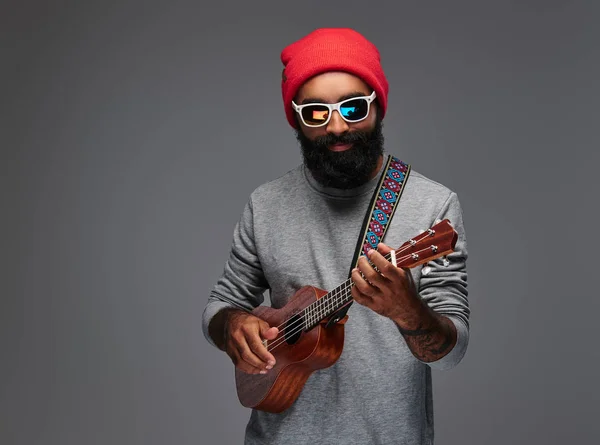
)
(328, 304)
(429, 245)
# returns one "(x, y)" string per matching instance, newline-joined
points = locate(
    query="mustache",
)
(347, 138)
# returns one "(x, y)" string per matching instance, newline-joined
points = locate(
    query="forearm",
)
(429, 335)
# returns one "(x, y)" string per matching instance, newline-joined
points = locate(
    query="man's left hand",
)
(388, 292)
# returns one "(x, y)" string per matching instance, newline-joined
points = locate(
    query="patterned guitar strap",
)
(379, 215)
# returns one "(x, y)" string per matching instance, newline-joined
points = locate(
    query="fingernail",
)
(269, 366)
(263, 372)
(271, 363)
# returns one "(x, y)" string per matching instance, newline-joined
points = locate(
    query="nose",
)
(336, 124)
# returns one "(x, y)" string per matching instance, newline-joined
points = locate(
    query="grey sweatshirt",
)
(294, 232)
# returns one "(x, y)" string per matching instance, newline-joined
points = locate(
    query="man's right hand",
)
(243, 342)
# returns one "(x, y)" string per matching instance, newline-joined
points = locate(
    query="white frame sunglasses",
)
(334, 107)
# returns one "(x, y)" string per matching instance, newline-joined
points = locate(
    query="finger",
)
(267, 333)
(246, 348)
(371, 275)
(361, 298)
(368, 273)
(383, 249)
(361, 285)
(386, 268)
(245, 367)
(260, 350)
(240, 363)
(251, 361)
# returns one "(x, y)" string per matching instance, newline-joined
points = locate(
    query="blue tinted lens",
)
(354, 109)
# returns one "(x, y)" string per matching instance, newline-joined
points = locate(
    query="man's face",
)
(340, 154)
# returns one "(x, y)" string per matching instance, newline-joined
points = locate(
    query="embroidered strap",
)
(382, 207)
(379, 214)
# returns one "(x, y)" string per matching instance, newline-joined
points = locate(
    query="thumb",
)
(267, 332)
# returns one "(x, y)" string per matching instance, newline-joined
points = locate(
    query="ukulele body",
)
(297, 357)
(301, 353)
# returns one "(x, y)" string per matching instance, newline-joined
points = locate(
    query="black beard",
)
(344, 169)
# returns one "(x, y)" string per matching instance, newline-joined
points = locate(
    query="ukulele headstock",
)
(431, 244)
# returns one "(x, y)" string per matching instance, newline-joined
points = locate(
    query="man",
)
(302, 228)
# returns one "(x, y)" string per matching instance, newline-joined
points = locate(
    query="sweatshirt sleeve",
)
(242, 282)
(444, 288)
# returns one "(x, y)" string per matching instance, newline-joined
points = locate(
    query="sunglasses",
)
(352, 110)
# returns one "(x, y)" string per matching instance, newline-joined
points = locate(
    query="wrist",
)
(419, 322)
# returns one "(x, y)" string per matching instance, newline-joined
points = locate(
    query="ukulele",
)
(307, 341)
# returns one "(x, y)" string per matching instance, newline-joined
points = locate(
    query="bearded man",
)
(302, 228)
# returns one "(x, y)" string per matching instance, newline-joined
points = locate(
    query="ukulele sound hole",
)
(293, 329)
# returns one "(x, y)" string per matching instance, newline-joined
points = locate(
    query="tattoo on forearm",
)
(430, 344)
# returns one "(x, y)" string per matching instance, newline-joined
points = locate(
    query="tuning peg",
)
(426, 270)
(445, 261)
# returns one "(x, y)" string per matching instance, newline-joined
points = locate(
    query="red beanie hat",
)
(331, 49)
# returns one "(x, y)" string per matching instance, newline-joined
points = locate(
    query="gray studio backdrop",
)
(132, 134)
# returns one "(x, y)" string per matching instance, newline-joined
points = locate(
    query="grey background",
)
(132, 134)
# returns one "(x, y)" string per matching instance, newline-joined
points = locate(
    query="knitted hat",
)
(331, 49)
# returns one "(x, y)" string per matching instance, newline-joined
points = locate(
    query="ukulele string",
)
(280, 339)
(387, 257)
(297, 329)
